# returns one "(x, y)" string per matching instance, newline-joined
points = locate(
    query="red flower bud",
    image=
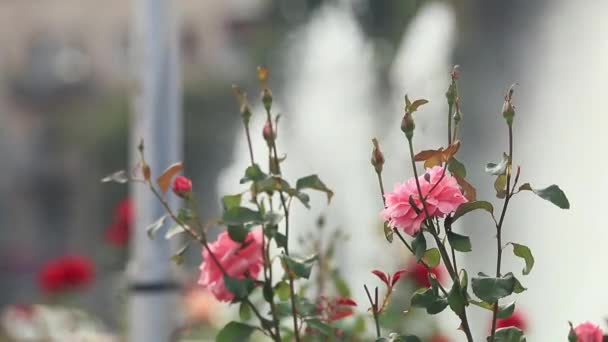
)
(268, 133)
(377, 156)
(182, 186)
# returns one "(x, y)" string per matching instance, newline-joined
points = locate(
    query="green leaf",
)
(459, 242)
(491, 289)
(457, 168)
(154, 227)
(272, 184)
(185, 215)
(282, 290)
(238, 233)
(510, 334)
(304, 198)
(525, 253)
(551, 193)
(236, 216)
(253, 173)
(120, 177)
(419, 245)
(178, 257)
(268, 292)
(426, 298)
(175, 230)
(316, 324)
(235, 331)
(298, 268)
(470, 206)
(244, 312)
(313, 182)
(388, 232)
(506, 310)
(456, 299)
(482, 304)
(231, 201)
(500, 185)
(498, 168)
(239, 287)
(432, 257)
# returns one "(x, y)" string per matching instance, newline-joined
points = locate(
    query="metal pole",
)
(157, 106)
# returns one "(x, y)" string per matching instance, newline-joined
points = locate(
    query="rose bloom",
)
(240, 260)
(119, 231)
(182, 186)
(70, 272)
(588, 332)
(420, 275)
(444, 199)
(517, 319)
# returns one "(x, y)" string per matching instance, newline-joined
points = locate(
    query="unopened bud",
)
(508, 109)
(407, 125)
(377, 156)
(267, 98)
(241, 97)
(268, 133)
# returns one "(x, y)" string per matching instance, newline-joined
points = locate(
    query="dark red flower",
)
(420, 274)
(182, 186)
(119, 231)
(517, 319)
(67, 273)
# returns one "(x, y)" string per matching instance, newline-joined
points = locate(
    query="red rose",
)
(182, 186)
(420, 275)
(517, 319)
(119, 231)
(66, 273)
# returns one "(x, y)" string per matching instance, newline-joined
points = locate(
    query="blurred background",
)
(339, 70)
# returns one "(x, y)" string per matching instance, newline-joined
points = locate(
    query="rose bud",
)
(268, 133)
(407, 125)
(377, 156)
(182, 186)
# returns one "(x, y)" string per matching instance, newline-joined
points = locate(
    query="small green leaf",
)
(240, 215)
(457, 168)
(154, 227)
(231, 201)
(313, 182)
(281, 240)
(238, 233)
(456, 299)
(470, 206)
(239, 287)
(282, 290)
(244, 312)
(419, 245)
(272, 184)
(298, 268)
(253, 173)
(506, 310)
(175, 230)
(459, 242)
(552, 194)
(525, 253)
(268, 292)
(185, 215)
(498, 168)
(500, 185)
(426, 298)
(304, 198)
(316, 324)
(235, 331)
(432, 257)
(482, 304)
(178, 257)
(510, 334)
(120, 177)
(491, 289)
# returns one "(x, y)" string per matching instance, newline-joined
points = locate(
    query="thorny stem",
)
(499, 247)
(374, 308)
(202, 239)
(440, 245)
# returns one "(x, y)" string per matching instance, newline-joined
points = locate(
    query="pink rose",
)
(182, 186)
(240, 260)
(588, 332)
(444, 198)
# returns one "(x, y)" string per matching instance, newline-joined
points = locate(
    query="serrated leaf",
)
(120, 177)
(498, 168)
(525, 253)
(457, 168)
(235, 331)
(175, 230)
(470, 206)
(419, 245)
(164, 180)
(506, 310)
(241, 215)
(313, 182)
(459, 242)
(432, 257)
(231, 201)
(154, 227)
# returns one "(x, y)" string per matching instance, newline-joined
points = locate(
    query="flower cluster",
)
(72, 272)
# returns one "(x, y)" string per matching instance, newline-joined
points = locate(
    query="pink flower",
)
(240, 260)
(182, 186)
(588, 332)
(517, 319)
(444, 198)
